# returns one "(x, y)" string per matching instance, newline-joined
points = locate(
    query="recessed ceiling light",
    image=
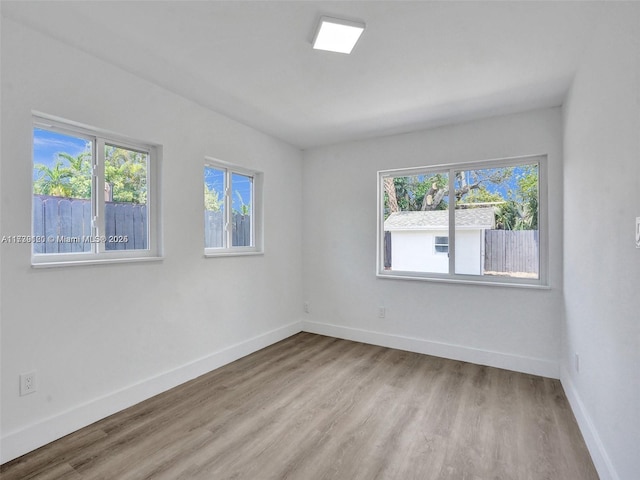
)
(337, 35)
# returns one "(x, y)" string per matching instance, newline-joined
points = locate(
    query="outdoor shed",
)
(420, 240)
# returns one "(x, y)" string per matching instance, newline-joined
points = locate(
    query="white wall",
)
(103, 337)
(414, 251)
(469, 251)
(601, 263)
(514, 328)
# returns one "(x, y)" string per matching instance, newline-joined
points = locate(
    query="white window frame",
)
(541, 282)
(98, 253)
(257, 235)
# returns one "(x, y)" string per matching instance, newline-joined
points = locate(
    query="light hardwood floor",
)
(314, 407)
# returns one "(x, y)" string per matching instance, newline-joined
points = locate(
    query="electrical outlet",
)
(381, 312)
(28, 383)
(306, 307)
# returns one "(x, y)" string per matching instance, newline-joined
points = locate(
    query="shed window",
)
(441, 244)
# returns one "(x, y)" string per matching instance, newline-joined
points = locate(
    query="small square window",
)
(441, 244)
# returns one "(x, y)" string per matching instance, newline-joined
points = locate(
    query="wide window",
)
(232, 220)
(93, 196)
(474, 222)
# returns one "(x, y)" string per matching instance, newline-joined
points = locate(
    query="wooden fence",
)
(512, 251)
(214, 229)
(65, 223)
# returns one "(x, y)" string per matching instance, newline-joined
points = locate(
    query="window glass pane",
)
(214, 188)
(242, 210)
(415, 214)
(442, 244)
(496, 222)
(125, 195)
(62, 169)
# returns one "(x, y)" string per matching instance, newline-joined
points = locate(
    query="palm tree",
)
(80, 163)
(80, 167)
(53, 180)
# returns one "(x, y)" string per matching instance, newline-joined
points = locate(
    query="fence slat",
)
(139, 232)
(213, 229)
(121, 226)
(38, 224)
(50, 215)
(78, 223)
(65, 226)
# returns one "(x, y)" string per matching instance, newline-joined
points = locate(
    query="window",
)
(93, 196)
(474, 222)
(441, 245)
(232, 213)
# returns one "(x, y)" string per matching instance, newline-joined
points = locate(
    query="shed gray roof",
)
(439, 219)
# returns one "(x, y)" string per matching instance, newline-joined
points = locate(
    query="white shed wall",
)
(414, 251)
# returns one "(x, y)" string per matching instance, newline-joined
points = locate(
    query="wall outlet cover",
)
(28, 383)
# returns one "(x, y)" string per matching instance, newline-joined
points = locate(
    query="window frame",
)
(99, 138)
(543, 254)
(437, 244)
(257, 234)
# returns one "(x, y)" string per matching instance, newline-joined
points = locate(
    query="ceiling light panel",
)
(337, 35)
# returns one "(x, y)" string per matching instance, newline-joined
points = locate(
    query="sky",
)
(241, 186)
(47, 144)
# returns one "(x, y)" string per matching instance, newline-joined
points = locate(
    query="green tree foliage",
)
(482, 195)
(410, 192)
(212, 200)
(54, 180)
(515, 208)
(126, 172)
(520, 210)
(70, 176)
(80, 169)
(528, 194)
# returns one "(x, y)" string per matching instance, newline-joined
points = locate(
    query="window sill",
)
(94, 261)
(231, 253)
(464, 281)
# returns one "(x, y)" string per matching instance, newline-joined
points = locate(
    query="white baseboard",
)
(18, 443)
(534, 366)
(599, 455)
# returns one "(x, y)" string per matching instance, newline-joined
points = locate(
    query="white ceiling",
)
(418, 64)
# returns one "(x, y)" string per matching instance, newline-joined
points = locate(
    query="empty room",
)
(320, 240)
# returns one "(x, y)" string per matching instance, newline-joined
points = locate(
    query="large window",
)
(232, 220)
(94, 196)
(474, 222)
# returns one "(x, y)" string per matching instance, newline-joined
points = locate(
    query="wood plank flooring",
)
(314, 407)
